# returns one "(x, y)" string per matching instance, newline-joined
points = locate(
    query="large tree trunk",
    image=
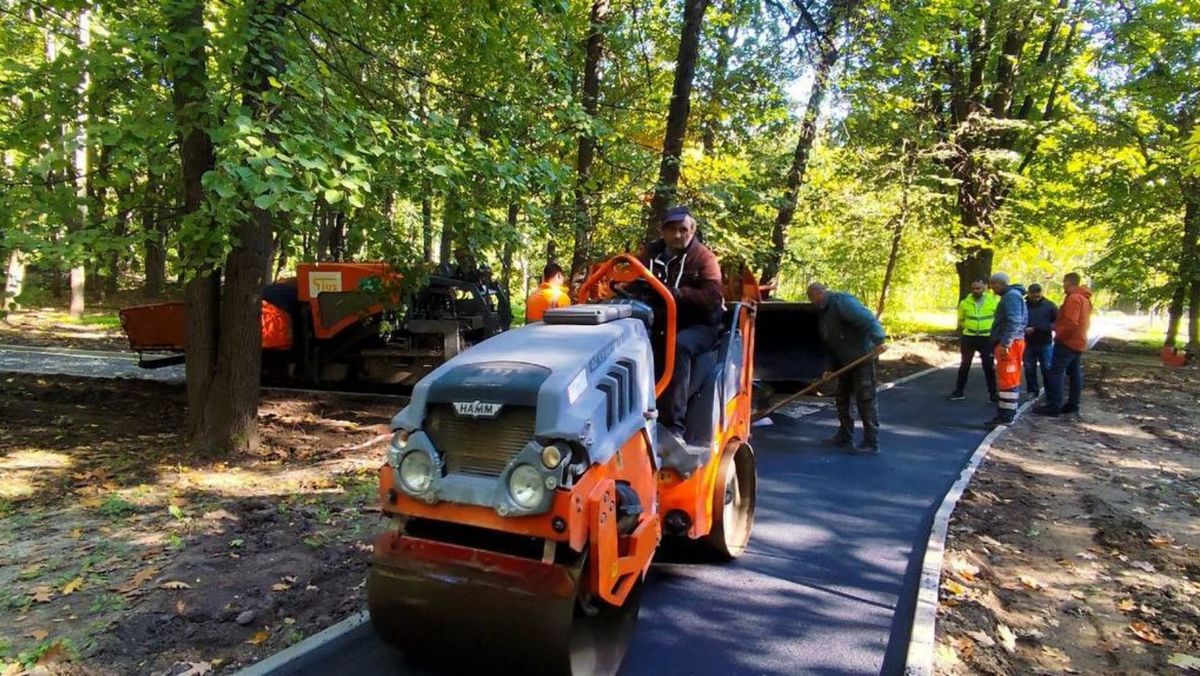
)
(584, 226)
(666, 190)
(112, 280)
(974, 263)
(189, 74)
(1189, 272)
(796, 173)
(426, 187)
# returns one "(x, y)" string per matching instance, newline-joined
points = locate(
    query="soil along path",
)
(829, 582)
(1077, 547)
(124, 555)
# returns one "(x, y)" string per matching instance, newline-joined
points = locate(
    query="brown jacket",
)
(1074, 317)
(696, 274)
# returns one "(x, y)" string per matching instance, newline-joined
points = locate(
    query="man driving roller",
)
(693, 275)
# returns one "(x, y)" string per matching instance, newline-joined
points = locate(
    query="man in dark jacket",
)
(1008, 339)
(1038, 347)
(691, 271)
(848, 331)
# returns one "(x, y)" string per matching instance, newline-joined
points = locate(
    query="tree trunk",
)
(974, 263)
(666, 190)
(14, 280)
(1189, 271)
(426, 186)
(584, 226)
(189, 75)
(796, 173)
(155, 233)
(78, 273)
(708, 128)
(112, 281)
(893, 257)
(506, 256)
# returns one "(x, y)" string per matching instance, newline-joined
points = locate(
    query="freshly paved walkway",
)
(829, 582)
(83, 363)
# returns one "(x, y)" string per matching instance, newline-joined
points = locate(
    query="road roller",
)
(528, 484)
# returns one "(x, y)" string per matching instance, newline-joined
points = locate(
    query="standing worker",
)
(1070, 342)
(1008, 339)
(550, 294)
(976, 313)
(1038, 338)
(850, 331)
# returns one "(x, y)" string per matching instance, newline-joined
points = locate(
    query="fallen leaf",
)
(1142, 565)
(964, 646)
(1161, 541)
(981, 638)
(1030, 582)
(1184, 661)
(42, 594)
(289, 620)
(259, 637)
(174, 584)
(38, 635)
(139, 578)
(72, 586)
(1008, 640)
(946, 654)
(954, 588)
(279, 586)
(1086, 556)
(1146, 633)
(56, 653)
(1126, 605)
(290, 579)
(76, 533)
(196, 669)
(11, 668)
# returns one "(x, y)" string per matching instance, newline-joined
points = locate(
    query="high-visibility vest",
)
(976, 320)
(545, 297)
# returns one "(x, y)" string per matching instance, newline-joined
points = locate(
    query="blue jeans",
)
(1037, 356)
(1066, 367)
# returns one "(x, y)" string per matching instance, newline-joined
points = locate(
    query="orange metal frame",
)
(616, 562)
(349, 277)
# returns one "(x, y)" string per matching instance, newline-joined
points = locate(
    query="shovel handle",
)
(813, 386)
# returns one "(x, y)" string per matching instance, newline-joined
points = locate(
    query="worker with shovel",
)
(853, 338)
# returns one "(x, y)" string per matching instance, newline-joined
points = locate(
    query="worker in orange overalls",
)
(550, 294)
(1008, 342)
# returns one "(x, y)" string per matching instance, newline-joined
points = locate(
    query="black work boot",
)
(843, 437)
(869, 446)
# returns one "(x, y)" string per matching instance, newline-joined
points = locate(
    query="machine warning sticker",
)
(577, 386)
(320, 282)
(477, 409)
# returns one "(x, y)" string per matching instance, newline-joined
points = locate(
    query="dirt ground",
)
(1076, 548)
(123, 555)
(53, 327)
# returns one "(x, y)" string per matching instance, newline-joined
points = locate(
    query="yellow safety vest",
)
(976, 319)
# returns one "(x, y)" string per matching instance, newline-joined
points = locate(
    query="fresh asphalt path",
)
(828, 584)
(82, 363)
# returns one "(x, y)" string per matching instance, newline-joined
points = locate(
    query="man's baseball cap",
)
(676, 214)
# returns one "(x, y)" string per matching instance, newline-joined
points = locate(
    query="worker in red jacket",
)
(1070, 342)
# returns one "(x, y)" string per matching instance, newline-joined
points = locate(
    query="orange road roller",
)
(528, 483)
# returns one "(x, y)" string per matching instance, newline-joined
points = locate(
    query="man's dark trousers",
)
(1065, 365)
(1037, 358)
(859, 383)
(690, 344)
(968, 346)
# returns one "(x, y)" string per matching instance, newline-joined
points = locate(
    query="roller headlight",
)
(416, 472)
(551, 457)
(525, 486)
(396, 448)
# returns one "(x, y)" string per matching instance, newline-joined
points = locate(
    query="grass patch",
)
(918, 323)
(107, 320)
(116, 507)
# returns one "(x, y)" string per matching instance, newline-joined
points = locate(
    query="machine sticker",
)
(320, 282)
(477, 409)
(577, 386)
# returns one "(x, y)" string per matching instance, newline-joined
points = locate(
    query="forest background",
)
(895, 149)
